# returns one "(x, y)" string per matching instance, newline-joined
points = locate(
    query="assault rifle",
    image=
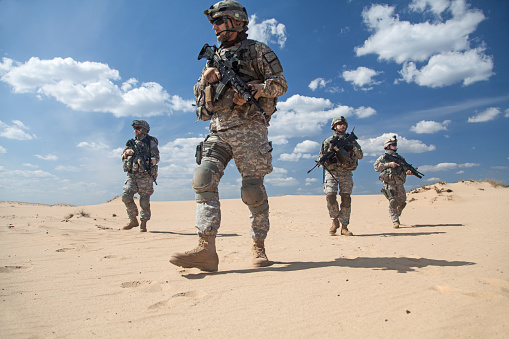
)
(405, 165)
(337, 149)
(138, 154)
(228, 76)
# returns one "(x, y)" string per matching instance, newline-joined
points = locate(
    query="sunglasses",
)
(138, 128)
(219, 21)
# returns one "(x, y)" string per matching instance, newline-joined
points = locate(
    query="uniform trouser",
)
(330, 187)
(142, 184)
(249, 147)
(397, 199)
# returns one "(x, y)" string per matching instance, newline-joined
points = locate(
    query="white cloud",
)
(449, 68)
(445, 166)
(437, 7)
(267, 31)
(177, 157)
(301, 151)
(375, 146)
(364, 112)
(318, 82)
(30, 174)
(429, 126)
(506, 115)
(89, 87)
(302, 116)
(310, 181)
(489, 114)
(443, 44)
(403, 41)
(15, 131)
(361, 77)
(93, 146)
(307, 146)
(2, 150)
(281, 181)
(47, 157)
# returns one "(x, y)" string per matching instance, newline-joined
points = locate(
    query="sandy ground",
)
(71, 272)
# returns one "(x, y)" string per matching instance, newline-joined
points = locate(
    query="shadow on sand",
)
(400, 265)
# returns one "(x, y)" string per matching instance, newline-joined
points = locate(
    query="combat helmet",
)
(338, 120)
(141, 123)
(230, 8)
(391, 141)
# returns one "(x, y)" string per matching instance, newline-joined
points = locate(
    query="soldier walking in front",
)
(140, 157)
(338, 173)
(238, 130)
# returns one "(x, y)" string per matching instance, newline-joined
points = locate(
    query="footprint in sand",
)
(112, 256)
(65, 249)
(192, 295)
(137, 283)
(10, 269)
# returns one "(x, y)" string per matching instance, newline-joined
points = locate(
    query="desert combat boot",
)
(143, 226)
(334, 227)
(259, 257)
(131, 224)
(203, 257)
(345, 231)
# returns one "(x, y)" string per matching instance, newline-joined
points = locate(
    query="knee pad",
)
(127, 197)
(253, 194)
(331, 198)
(203, 181)
(346, 200)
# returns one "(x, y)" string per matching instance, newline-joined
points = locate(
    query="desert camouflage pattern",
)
(393, 180)
(330, 187)
(266, 69)
(139, 181)
(251, 151)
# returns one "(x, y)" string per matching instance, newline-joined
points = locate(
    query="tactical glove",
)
(210, 75)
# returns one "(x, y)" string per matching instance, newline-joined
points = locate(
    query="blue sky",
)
(74, 74)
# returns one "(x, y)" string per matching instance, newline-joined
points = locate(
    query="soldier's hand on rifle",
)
(393, 165)
(210, 75)
(409, 172)
(139, 162)
(127, 153)
(239, 100)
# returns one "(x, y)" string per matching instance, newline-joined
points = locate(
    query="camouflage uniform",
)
(343, 173)
(238, 132)
(138, 180)
(393, 180)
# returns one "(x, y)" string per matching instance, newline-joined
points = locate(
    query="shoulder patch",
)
(273, 61)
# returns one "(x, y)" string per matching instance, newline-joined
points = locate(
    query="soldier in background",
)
(142, 149)
(393, 177)
(338, 173)
(238, 130)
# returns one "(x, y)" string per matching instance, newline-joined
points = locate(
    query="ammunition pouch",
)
(128, 164)
(213, 150)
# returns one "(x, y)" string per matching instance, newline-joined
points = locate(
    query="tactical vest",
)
(246, 66)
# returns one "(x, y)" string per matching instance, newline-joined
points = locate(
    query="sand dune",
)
(70, 271)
